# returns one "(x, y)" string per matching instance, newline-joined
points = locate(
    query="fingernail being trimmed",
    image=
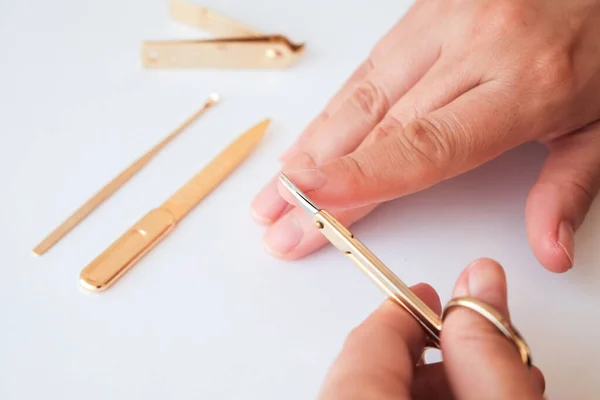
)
(485, 280)
(307, 179)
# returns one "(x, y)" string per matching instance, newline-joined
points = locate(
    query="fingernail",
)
(307, 179)
(483, 278)
(487, 282)
(268, 205)
(283, 236)
(462, 286)
(566, 240)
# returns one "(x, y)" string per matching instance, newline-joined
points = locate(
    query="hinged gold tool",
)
(391, 285)
(110, 188)
(237, 46)
(154, 226)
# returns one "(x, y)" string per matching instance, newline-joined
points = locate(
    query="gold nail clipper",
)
(392, 286)
(237, 46)
(154, 226)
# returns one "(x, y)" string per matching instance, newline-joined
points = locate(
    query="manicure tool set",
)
(238, 46)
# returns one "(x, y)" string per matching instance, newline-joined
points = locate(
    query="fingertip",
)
(539, 378)
(293, 236)
(461, 287)
(480, 362)
(484, 279)
(566, 240)
(284, 236)
(553, 254)
(284, 192)
(268, 205)
(307, 179)
(260, 219)
(550, 236)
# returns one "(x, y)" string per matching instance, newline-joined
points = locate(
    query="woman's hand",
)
(379, 357)
(454, 84)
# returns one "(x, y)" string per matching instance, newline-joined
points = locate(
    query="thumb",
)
(397, 160)
(480, 362)
(561, 198)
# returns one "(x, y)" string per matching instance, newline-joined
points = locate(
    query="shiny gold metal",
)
(392, 286)
(374, 268)
(237, 46)
(101, 273)
(381, 275)
(110, 188)
(497, 319)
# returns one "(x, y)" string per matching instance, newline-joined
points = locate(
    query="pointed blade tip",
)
(300, 197)
(285, 181)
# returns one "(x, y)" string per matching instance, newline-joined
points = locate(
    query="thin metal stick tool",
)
(111, 187)
(126, 251)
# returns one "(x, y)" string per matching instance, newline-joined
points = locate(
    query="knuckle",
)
(354, 169)
(370, 100)
(552, 69)
(500, 18)
(389, 126)
(549, 53)
(585, 190)
(433, 143)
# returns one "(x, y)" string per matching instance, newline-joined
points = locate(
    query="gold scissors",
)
(392, 286)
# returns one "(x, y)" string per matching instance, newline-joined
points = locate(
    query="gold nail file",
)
(101, 273)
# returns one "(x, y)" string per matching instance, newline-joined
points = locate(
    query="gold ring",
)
(497, 319)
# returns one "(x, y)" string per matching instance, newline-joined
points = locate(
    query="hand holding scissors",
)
(422, 314)
(379, 358)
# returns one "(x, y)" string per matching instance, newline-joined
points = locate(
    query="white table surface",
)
(209, 314)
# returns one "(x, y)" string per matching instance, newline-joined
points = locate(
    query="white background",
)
(209, 314)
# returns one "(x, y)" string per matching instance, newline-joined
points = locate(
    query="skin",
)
(379, 358)
(476, 79)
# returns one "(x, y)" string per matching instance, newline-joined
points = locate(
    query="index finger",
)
(332, 106)
(379, 356)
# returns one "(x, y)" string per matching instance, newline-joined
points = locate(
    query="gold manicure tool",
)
(392, 286)
(110, 188)
(237, 45)
(154, 226)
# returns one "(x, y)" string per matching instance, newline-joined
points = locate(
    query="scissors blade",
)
(300, 197)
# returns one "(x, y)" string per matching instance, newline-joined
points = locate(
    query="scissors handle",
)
(381, 275)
